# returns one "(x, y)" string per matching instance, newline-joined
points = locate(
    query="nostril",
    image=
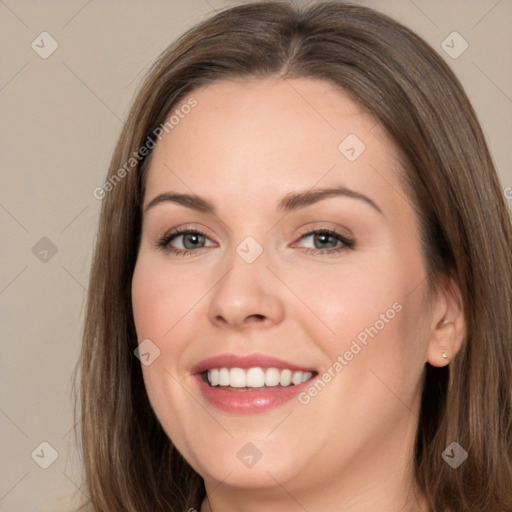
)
(255, 318)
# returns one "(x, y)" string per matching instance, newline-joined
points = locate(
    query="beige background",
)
(60, 120)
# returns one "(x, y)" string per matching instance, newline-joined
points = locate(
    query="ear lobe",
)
(449, 326)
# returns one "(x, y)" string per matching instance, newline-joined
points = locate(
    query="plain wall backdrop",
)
(61, 113)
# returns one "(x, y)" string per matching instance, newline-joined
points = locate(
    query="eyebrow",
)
(290, 202)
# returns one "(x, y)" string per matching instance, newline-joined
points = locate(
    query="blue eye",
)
(328, 237)
(191, 237)
(194, 239)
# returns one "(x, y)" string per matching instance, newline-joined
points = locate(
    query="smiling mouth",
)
(244, 379)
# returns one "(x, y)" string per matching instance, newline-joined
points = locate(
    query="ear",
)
(448, 328)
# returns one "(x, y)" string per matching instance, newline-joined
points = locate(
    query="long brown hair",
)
(130, 464)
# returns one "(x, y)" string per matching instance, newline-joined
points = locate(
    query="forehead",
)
(262, 138)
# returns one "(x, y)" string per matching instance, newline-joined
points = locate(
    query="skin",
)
(244, 147)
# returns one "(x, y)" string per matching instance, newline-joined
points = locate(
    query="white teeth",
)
(256, 377)
(305, 376)
(213, 377)
(286, 377)
(296, 378)
(272, 376)
(223, 377)
(237, 378)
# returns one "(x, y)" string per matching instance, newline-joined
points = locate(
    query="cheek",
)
(159, 299)
(370, 312)
(350, 299)
(160, 303)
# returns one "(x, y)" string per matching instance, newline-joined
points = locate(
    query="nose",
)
(247, 296)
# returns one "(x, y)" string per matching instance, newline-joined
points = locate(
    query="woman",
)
(227, 364)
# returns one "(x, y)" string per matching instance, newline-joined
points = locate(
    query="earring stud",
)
(445, 356)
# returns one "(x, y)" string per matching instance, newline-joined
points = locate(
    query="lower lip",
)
(249, 400)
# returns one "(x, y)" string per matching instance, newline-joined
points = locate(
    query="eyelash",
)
(346, 243)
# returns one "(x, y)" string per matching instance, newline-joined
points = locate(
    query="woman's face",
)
(283, 281)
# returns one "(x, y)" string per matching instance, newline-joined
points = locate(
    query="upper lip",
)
(247, 361)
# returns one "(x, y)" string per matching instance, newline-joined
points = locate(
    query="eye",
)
(190, 239)
(327, 241)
